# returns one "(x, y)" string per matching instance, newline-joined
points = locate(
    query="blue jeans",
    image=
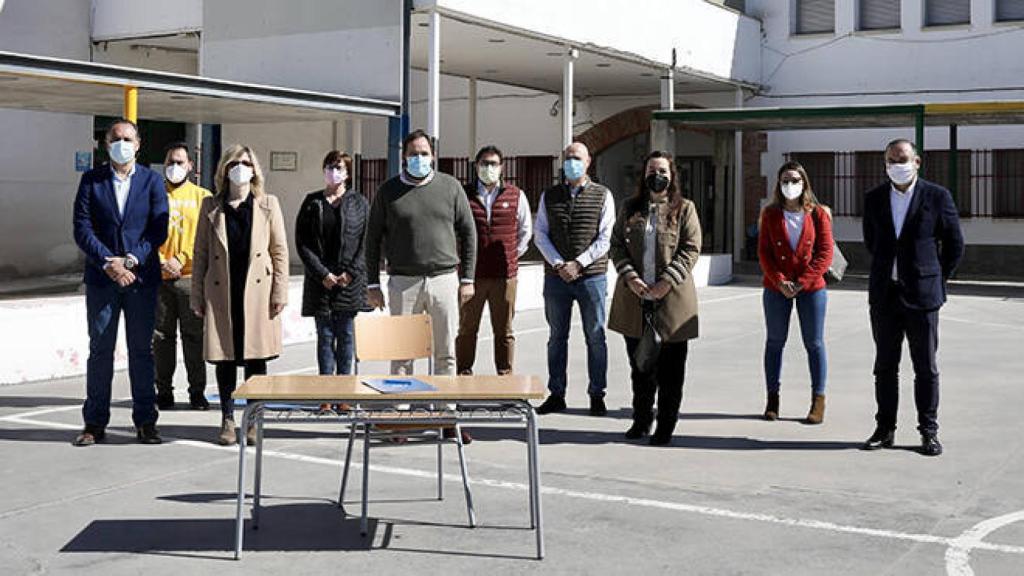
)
(334, 342)
(103, 307)
(589, 292)
(810, 307)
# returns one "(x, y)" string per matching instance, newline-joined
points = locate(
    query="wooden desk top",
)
(350, 388)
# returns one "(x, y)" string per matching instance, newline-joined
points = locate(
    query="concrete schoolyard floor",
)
(732, 495)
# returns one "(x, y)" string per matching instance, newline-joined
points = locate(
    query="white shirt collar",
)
(481, 188)
(908, 193)
(131, 172)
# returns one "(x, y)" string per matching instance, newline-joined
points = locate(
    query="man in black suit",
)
(912, 231)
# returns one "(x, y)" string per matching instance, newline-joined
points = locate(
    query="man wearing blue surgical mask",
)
(424, 221)
(120, 222)
(573, 233)
(912, 231)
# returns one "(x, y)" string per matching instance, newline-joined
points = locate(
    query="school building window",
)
(947, 12)
(815, 16)
(879, 15)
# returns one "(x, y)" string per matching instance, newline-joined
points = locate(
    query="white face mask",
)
(901, 174)
(240, 174)
(122, 151)
(488, 174)
(792, 190)
(334, 176)
(175, 173)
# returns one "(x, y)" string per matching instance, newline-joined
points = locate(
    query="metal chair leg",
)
(348, 463)
(465, 477)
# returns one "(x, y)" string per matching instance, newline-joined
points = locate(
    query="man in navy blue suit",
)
(120, 221)
(912, 231)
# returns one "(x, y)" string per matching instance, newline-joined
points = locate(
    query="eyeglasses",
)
(489, 163)
(234, 163)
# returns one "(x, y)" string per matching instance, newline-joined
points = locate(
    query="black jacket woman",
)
(654, 246)
(329, 233)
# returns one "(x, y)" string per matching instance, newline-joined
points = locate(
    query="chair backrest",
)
(381, 337)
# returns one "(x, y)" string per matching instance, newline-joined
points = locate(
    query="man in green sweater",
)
(425, 223)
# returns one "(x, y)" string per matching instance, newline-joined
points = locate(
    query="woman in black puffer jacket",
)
(329, 234)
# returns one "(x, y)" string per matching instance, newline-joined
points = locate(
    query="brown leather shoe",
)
(771, 410)
(449, 433)
(88, 437)
(817, 413)
(227, 435)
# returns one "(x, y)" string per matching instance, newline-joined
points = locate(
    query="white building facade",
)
(870, 52)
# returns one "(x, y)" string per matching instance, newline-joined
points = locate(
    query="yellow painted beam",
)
(968, 108)
(131, 103)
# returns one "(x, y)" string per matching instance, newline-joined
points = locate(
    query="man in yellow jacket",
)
(184, 199)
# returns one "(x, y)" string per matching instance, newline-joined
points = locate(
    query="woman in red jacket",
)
(795, 250)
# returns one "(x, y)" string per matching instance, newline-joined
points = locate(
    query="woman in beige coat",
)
(654, 246)
(239, 276)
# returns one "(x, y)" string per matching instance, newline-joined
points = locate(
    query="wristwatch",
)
(129, 263)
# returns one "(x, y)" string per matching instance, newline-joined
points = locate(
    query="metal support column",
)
(471, 145)
(738, 211)
(567, 95)
(131, 103)
(434, 79)
(954, 164)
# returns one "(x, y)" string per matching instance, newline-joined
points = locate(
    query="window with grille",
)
(879, 15)
(1009, 10)
(821, 172)
(815, 16)
(935, 167)
(947, 12)
(1008, 183)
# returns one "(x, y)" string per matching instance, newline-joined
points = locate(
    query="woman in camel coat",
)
(240, 276)
(654, 246)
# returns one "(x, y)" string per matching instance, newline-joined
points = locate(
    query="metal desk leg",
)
(465, 477)
(258, 477)
(440, 469)
(239, 521)
(348, 463)
(530, 468)
(363, 523)
(531, 418)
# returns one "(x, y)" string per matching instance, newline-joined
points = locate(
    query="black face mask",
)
(656, 182)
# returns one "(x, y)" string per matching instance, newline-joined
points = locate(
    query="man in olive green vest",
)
(573, 232)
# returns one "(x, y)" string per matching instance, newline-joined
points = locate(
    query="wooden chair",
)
(392, 338)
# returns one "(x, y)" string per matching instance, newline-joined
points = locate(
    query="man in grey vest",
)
(573, 233)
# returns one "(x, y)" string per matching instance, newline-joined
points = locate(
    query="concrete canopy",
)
(488, 41)
(55, 85)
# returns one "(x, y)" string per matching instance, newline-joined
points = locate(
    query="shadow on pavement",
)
(550, 436)
(170, 431)
(283, 528)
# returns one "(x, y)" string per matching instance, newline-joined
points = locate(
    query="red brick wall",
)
(755, 185)
(625, 124)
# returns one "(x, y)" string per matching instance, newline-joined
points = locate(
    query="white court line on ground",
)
(1015, 327)
(959, 551)
(969, 540)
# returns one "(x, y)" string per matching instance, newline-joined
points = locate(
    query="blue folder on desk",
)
(398, 385)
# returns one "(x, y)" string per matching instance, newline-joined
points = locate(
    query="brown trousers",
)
(500, 296)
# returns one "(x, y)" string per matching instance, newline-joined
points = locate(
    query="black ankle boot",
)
(771, 409)
(638, 430)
